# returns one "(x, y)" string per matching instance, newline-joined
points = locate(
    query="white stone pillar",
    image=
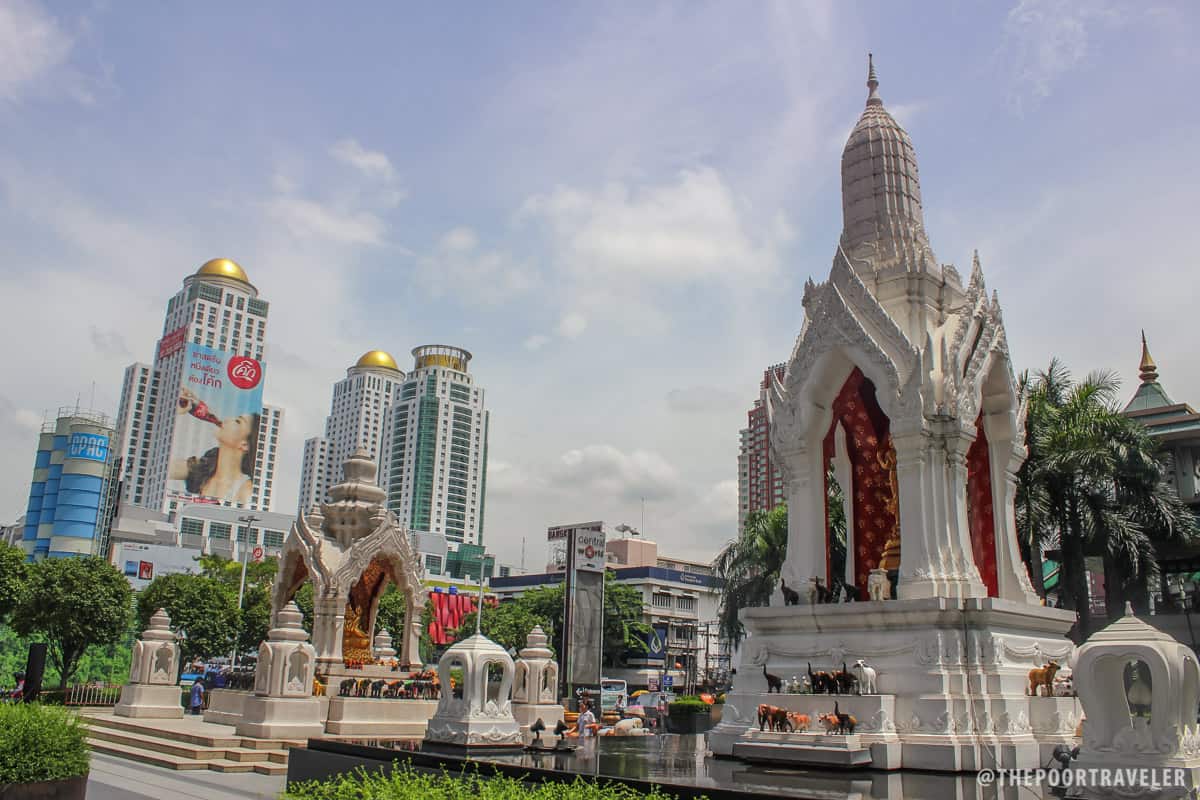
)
(152, 691)
(919, 553)
(845, 478)
(807, 552)
(963, 579)
(329, 617)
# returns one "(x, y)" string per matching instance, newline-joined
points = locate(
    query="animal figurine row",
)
(819, 593)
(781, 720)
(838, 722)
(860, 679)
(423, 686)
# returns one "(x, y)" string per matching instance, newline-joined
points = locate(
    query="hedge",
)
(40, 743)
(405, 783)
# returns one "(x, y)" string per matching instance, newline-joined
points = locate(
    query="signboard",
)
(257, 554)
(668, 681)
(652, 684)
(589, 551)
(215, 443)
(88, 446)
(142, 563)
(172, 343)
(562, 531)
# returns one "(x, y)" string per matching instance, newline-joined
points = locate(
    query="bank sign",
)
(88, 446)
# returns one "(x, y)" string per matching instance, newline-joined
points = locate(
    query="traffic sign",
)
(668, 681)
(652, 684)
(257, 554)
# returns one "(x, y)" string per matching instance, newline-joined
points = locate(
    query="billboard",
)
(142, 563)
(215, 443)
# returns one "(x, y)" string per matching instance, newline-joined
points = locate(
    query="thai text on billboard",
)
(215, 444)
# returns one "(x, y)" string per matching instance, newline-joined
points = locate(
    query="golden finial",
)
(1148, 369)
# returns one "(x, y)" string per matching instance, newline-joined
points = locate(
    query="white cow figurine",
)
(878, 585)
(1064, 683)
(866, 677)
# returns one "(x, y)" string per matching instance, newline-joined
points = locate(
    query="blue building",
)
(70, 496)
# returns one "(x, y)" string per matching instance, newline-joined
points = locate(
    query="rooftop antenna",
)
(522, 554)
(642, 528)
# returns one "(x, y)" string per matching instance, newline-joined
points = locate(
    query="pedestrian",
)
(587, 721)
(197, 697)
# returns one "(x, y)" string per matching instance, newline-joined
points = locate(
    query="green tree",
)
(624, 627)
(749, 567)
(507, 624)
(12, 578)
(390, 613)
(73, 603)
(202, 609)
(1093, 485)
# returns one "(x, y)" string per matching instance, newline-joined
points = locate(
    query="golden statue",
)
(889, 559)
(356, 645)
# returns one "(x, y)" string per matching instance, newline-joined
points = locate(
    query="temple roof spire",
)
(873, 98)
(1147, 369)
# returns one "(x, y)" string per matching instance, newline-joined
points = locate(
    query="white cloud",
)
(460, 268)
(605, 469)
(306, 218)
(1046, 39)
(371, 163)
(572, 325)
(691, 229)
(32, 44)
(535, 342)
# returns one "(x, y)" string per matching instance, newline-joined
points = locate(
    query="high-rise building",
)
(193, 427)
(437, 446)
(359, 416)
(69, 494)
(760, 486)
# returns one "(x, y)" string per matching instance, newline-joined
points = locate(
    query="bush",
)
(40, 743)
(406, 784)
(687, 704)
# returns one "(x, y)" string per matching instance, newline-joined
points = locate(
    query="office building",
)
(437, 447)
(359, 416)
(70, 493)
(193, 427)
(760, 485)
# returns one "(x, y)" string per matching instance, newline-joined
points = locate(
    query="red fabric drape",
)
(979, 509)
(872, 462)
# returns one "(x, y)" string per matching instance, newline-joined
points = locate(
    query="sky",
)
(614, 207)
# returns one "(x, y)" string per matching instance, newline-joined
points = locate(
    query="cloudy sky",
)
(614, 207)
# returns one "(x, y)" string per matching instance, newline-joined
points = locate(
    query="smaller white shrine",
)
(474, 713)
(1139, 688)
(382, 646)
(153, 691)
(283, 706)
(535, 687)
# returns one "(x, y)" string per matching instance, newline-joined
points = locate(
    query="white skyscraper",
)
(437, 450)
(193, 426)
(358, 417)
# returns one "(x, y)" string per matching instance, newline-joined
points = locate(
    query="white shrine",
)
(535, 685)
(153, 688)
(901, 390)
(283, 706)
(474, 713)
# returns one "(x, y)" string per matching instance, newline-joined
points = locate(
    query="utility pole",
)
(249, 520)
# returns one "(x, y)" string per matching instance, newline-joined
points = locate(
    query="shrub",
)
(40, 743)
(404, 783)
(686, 704)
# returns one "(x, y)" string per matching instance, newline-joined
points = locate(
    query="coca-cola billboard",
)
(214, 447)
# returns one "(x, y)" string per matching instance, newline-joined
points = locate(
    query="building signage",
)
(589, 551)
(563, 531)
(172, 343)
(214, 447)
(88, 446)
(142, 563)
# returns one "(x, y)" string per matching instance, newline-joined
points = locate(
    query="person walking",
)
(587, 722)
(197, 697)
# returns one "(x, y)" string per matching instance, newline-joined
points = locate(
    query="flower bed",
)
(408, 784)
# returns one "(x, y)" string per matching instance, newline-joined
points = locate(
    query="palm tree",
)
(1094, 485)
(749, 567)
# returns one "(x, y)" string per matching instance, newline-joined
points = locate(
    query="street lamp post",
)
(249, 521)
(1180, 595)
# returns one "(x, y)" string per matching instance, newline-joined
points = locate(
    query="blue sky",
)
(614, 207)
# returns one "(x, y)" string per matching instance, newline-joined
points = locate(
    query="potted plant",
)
(43, 753)
(688, 714)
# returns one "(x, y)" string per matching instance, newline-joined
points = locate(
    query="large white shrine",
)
(900, 390)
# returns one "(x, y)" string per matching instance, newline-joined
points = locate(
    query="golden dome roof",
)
(377, 359)
(223, 268)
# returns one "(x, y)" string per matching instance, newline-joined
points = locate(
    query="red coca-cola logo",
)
(245, 372)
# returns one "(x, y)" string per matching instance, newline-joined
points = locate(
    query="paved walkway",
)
(117, 779)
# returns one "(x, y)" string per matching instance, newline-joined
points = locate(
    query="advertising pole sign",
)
(215, 443)
(583, 615)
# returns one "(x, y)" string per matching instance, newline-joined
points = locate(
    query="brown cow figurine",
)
(1044, 677)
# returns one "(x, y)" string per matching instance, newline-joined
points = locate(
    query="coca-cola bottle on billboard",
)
(190, 404)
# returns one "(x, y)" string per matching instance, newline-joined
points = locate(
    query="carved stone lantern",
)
(535, 687)
(283, 706)
(1116, 671)
(384, 652)
(152, 690)
(467, 718)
